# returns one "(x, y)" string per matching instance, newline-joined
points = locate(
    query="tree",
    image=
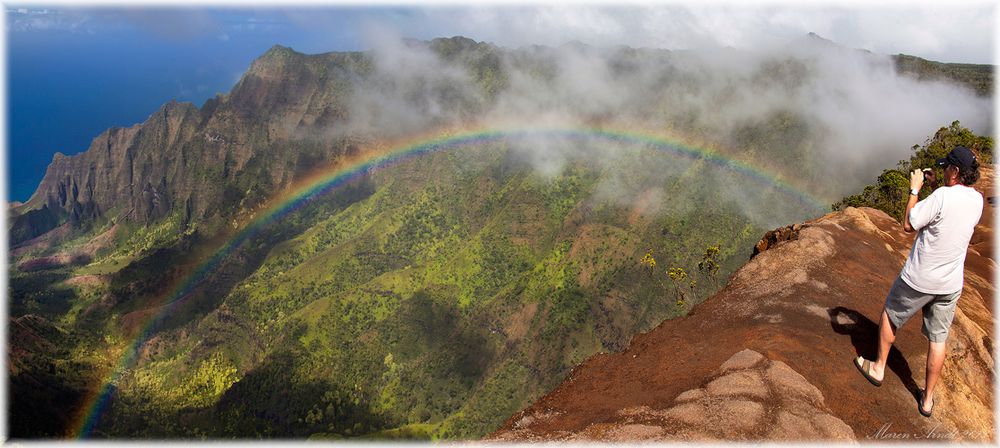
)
(648, 259)
(947, 138)
(709, 265)
(678, 275)
(892, 186)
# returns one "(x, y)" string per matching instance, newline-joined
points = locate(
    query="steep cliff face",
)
(807, 305)
(124, 170)
(200, 162)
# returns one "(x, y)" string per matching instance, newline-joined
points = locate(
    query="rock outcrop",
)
(773, 237)
(748, 397)
(795, 316)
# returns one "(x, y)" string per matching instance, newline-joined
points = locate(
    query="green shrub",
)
(892, 186)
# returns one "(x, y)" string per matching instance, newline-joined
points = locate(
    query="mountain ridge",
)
(282, 96)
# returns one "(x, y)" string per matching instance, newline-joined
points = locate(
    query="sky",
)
(74, 71)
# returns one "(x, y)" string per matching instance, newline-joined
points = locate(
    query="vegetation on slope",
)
(978, 77)
(447, 293)
(893, 185)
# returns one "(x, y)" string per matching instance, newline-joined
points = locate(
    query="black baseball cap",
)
(959, 156)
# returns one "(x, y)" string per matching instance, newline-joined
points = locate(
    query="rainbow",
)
(377, 157)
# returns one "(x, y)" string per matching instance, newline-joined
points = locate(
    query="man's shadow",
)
(864, 337)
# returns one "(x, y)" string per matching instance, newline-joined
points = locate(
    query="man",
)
(933, 275)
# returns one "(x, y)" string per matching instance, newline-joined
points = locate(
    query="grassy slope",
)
(461, 289)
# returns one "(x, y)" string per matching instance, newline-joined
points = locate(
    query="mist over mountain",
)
(436, 296)
(840, 112)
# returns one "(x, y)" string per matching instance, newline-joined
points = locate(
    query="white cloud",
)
(960, 32)
(852, 114)
(944, 31)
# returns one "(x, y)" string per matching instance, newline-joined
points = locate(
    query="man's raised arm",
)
(916, 181)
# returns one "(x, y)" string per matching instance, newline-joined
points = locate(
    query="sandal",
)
(920, 404)
(865, 367)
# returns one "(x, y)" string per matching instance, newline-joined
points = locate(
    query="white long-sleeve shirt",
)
(944, 221)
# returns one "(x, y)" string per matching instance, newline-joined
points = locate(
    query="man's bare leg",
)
(886, 336)
(935, 359)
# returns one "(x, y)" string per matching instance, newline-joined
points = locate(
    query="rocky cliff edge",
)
(770, 356)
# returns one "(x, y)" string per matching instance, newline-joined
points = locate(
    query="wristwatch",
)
(915, 192)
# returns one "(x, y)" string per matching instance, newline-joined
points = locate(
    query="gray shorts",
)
(939, 309)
